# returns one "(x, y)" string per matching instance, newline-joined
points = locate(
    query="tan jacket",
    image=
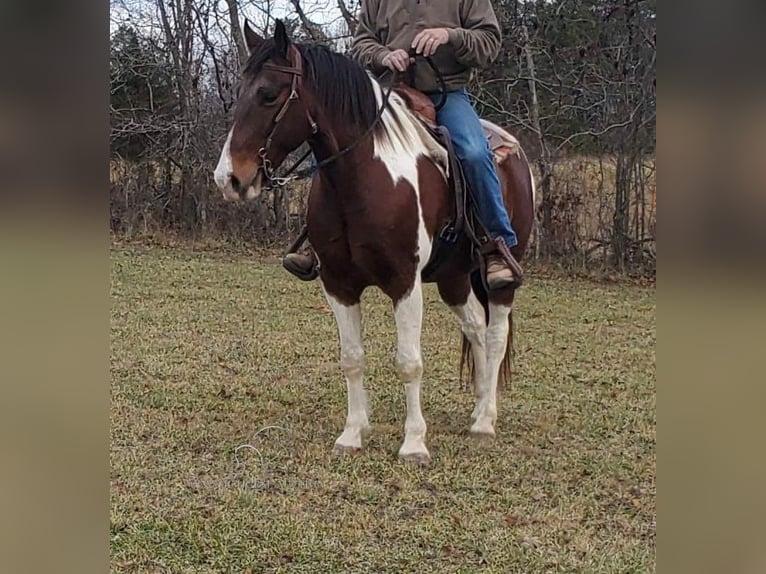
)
(387, 25)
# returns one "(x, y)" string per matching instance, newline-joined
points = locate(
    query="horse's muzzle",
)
(237, 190)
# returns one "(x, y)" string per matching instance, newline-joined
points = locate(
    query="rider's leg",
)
(472, 148)
(459, 117)
(301, 264)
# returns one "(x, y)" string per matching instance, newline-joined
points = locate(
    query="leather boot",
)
(303, 265)
(499, 274)
(502, 268)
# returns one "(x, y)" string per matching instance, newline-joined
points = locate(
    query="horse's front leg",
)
(349, 319)
(409, 364)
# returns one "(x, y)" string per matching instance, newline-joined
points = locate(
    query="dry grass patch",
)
(207, 350)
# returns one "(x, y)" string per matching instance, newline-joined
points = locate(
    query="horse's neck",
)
(399, 135)
(331, 141)
(350, 146)
(344, 171)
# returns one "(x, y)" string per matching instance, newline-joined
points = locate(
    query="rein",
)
(297, 83)
(439, 78)
(369, 130)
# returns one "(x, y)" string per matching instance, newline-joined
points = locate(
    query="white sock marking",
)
(349, 320)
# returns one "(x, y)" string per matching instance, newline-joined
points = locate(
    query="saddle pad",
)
(500, 141)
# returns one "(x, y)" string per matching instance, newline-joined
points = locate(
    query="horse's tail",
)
(466, 355)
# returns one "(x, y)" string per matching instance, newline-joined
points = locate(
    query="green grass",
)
(207, 349)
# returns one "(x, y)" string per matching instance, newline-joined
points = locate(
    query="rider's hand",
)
(398, 60)
(427, 41)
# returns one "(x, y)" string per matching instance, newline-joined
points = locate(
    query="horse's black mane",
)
(341, 86)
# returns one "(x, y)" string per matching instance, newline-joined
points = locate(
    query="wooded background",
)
(575, 82)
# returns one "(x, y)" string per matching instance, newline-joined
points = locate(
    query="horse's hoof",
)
(418, 458)
(350, 440)
(482, 431)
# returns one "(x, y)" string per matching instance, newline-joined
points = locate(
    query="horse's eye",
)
(267, 97)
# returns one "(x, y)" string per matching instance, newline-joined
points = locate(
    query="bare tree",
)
(313, 30)
(348, 16)
(575, 81)
(236, 30)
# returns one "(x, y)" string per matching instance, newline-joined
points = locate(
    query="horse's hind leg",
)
(409, 363)
(485, 413)
(474, 327)
(349, 319)
(462, 299)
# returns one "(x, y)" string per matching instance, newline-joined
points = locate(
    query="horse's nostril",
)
(235, 183)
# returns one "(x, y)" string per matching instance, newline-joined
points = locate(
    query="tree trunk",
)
(236, 31)
(544, 163)
(311, 29)
(350, 19)
(621, 215)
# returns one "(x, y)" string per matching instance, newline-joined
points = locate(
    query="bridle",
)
(295, 89)
(296, 71)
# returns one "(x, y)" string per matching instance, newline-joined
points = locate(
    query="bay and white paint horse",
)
(372, 215)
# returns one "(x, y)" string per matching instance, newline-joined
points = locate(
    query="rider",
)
(459, 35)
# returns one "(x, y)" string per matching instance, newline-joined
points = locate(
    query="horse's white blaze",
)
(409, 364)
(496, 341)
(349, 320)
(223, 170)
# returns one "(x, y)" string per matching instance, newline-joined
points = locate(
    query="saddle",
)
(500, 141)
(465, 231)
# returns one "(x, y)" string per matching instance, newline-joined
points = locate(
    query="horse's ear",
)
(281, 39)
(252, 39)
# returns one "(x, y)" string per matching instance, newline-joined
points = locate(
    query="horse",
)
(380, 195)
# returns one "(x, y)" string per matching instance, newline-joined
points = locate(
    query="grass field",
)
(208, 349)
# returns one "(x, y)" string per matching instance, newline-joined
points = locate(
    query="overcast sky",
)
(145, 14)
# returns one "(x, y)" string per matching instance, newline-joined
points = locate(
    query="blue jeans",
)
(459, 117)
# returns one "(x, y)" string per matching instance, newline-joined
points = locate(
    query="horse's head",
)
(271, 118)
